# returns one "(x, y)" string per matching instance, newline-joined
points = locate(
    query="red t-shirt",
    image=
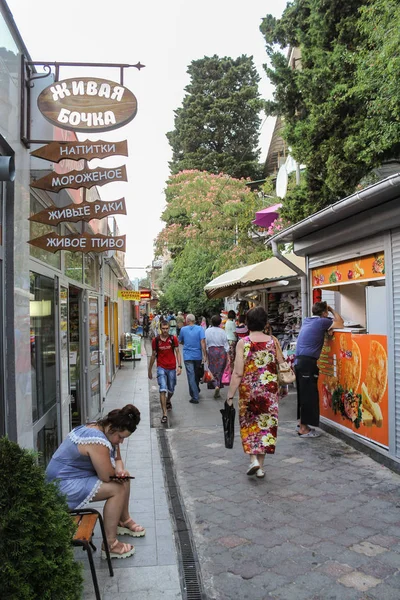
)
(166, 351)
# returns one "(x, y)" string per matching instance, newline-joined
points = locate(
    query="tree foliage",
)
(217, 127)
(208, 218)
(36, 556)
(341, 102)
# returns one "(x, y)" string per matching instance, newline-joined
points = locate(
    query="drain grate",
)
(187, 559)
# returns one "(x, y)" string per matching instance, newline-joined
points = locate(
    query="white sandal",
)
(136, 531)
(126, 550)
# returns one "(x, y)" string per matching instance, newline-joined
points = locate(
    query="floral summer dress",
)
(75, 473)
(258, 398)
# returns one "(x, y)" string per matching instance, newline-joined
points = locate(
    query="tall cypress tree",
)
(217, 127)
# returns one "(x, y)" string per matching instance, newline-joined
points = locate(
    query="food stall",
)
(353, 362)
(352, 252)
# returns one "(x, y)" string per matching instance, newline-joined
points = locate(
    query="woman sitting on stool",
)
(85, 463)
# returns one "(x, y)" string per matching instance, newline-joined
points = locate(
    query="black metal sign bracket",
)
(28, 76)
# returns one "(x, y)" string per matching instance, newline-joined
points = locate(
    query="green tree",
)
(208, 221)
(338, 120)
(217, 127)
(184, 287)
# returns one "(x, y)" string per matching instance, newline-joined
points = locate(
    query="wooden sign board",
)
(86, 211)
(87, 178)
(87, 104)
(129, 295)
(81, 242)
(56, 151)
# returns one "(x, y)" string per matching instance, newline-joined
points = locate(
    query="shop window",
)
(91, 270)
(38, 229)
(43, 345)
(46, 439)
(73, 265)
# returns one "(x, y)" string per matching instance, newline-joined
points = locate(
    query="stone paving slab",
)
(324, 524)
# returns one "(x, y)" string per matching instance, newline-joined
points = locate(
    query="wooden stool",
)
(86, 519)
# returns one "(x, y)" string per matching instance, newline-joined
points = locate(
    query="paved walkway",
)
(324, 524)
(152, 573)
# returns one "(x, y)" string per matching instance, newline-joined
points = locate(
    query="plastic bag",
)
(208, 377)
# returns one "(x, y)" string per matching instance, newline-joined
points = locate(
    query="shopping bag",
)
(228, 422)
(208, 377)
(226, 375)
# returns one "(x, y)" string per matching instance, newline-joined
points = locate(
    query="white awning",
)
(263, 272)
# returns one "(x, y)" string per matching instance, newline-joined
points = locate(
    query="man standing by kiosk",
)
(166, 351)
(308, 350)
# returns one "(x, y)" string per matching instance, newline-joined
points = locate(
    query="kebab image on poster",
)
(353, 383)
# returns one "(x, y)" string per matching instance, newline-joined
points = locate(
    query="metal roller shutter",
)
(395, 248)
(360, 248)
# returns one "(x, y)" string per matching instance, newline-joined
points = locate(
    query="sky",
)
(164, 35)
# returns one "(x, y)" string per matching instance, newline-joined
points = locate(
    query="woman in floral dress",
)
(255, 373)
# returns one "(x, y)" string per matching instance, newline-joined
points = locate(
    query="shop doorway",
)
(45, 418)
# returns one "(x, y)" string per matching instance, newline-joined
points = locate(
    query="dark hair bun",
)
(122, 419)
(131, 412)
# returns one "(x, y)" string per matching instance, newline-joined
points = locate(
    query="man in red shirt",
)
(166, 352)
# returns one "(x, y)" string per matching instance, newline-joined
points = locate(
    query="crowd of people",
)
(88, 465)
(245, 355)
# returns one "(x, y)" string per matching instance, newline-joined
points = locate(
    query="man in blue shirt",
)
(308, 350)
(194, 352)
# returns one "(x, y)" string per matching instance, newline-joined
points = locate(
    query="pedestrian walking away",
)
(172, 322)
(256, 372)
(84, 467)
(166, 352)
(180, 322)
(308, 349)
(194, 352)
(217, 351)
(230, 330)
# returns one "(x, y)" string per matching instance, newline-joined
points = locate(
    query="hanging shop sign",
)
(87, 104)
(56, 151)
(81, 242)
(129, 295)
(86, 211)
(145, 294)
(364, 268)
(87, 178)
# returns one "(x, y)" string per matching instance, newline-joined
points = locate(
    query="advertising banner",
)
(353, 383)
(350, 271)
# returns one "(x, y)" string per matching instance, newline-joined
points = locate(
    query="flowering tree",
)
(207, 217)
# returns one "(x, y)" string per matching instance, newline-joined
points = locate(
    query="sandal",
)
(118, 550)
(129, 527)
(169, 405)
(164, 419)
(310, 434)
